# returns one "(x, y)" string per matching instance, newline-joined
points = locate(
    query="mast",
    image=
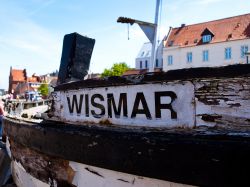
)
(149, 29)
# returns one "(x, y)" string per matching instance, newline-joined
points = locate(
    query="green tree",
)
(44, 89)
(116, 70)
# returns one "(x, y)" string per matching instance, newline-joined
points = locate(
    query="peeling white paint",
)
(90, 176)
(7, 145)
(22, 178)
(232, 97)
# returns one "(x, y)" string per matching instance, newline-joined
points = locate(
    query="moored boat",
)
(176, 128)
(26, 109)
(182, 127)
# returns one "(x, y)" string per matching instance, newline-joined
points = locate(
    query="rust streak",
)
(43, 167)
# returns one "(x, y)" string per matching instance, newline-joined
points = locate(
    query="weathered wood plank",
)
(152, 105)
(223, 102)
(197, 102)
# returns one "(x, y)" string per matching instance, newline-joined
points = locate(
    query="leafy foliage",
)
(116, 70)
(44, 89)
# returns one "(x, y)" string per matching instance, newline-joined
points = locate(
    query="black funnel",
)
(75, 60)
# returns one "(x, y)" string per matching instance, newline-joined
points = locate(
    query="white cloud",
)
(33, 38)
(43, 5)
(26, 44)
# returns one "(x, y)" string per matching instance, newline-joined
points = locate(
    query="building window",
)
(171, 43)
(140, 64)
(228, 53)
(142, 54)
(189, 57)
(170, 60)
(243, 50)
(156, 63)
(205, 56)
(146, 64)
(206, 38)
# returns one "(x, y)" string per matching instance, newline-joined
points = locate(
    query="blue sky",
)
(31, 31)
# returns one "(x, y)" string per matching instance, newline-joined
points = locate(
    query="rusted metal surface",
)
(46, 168)
(200, 156)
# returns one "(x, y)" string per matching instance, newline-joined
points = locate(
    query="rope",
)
(128, 31)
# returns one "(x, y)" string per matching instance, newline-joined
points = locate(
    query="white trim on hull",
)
(24, 179)
(90, 176)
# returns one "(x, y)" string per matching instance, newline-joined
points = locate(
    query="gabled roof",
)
(145, 50)
(206, 32)
(34, 79)
(233, 28)
(18, 75)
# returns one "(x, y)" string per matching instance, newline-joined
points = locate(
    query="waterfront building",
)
(16, 77)
(32, 84)
(50, 78)
(19, 82)
(214, 43)
(143, 58)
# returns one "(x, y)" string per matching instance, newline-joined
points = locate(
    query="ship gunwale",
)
(231, 71)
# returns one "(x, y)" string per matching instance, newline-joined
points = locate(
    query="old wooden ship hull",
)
(182, 127)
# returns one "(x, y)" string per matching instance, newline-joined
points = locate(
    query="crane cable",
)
(128, 31)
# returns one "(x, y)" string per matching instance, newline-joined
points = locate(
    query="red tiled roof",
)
(18, 75)
(134, 71)
(34, 79)
(228, 29)
(139, 71)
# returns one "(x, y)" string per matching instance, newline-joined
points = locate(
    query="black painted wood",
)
(204, 157)
(76, 55)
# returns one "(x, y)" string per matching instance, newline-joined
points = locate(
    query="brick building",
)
(16, 77)
(19, 82)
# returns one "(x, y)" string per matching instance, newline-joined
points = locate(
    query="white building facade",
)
(210, 55)
(142, 60)
(215, 43)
